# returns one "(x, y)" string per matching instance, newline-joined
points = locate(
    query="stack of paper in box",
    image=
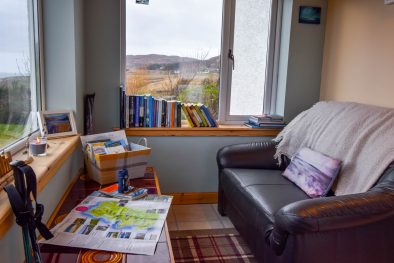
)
(265, 121)
(107, 153)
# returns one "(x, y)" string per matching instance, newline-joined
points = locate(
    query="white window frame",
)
(270, 85)
(228, 16)
(37, 71)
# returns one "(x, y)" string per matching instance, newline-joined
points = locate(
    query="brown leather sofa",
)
(282, 224)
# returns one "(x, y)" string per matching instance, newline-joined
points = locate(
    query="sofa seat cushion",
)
(259, 194)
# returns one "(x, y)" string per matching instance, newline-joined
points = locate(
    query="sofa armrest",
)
(254, 155)
(330, 213)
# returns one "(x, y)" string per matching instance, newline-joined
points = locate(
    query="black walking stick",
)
(27, 216)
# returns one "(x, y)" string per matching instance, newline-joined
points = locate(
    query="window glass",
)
(17, 71)
(250, 49)
(172, 50)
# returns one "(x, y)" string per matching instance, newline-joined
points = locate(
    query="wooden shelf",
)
(222, 130)
(45, 168)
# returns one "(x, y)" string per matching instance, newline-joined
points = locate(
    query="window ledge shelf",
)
(45, 169)
(186, 131)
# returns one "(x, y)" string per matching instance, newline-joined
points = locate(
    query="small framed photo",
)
(144, 2)
(309, 15)
(54, 124)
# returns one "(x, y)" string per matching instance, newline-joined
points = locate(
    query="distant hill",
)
(7, 74)
(154, 61)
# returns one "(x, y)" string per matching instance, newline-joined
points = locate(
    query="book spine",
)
(131, 111)
(208, 114)
(189, 119)
(173, 114)
(121, 109)
(151, 111)
(142, 114)
(212, 117)
(164, 114)
(197, 116)
(127, 111)
(159, 110)
(204, 121)
(191, 114)
(146, 112)
(205, 116)
(175, 120)
(136, 111)
(154, 112)
(178, 114)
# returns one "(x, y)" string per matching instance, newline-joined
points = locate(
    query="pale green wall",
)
(301, 59)
(64, 56)
(64, 85)
(188, 164)
(102, 54)
(11, 246)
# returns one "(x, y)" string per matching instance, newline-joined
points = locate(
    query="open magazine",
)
(104, 223)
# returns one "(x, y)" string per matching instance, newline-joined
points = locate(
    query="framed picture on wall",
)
(309, 15)
(54, 124)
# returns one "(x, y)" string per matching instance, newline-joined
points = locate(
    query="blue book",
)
(264, 126)
(211, 121)
(151, 111)
(136, 111)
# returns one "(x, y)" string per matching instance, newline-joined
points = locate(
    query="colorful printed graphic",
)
(313, 172)
(58, 123)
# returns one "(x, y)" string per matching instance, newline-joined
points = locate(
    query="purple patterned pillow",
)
(312, 171)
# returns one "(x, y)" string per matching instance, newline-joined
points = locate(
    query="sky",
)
(174, 27)
(169, 27)
(14, 40)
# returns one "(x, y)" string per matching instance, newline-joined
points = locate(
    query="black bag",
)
(27, 216)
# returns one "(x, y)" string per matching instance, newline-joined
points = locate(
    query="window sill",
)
(186, 131)
(45, 168)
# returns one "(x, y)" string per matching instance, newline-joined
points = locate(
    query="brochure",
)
(112, 224)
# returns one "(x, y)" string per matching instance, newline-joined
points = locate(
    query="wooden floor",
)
(193, 217)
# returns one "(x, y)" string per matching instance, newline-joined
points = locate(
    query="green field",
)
(10, 133)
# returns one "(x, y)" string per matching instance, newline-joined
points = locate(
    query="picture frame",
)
(309, 15)
(58, 123)
(144, 2)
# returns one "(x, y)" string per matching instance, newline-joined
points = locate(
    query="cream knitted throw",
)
(361, 136)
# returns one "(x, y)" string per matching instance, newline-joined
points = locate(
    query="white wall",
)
(359, 52)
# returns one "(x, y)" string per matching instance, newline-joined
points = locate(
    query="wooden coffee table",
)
(80, 190)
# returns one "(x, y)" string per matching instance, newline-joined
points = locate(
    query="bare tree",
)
(187, 73)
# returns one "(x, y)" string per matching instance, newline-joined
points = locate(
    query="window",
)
(248, 59)
(172, 50)
(216, 52)
(19, 70)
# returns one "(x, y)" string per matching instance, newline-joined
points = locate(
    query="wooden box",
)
(103, 168)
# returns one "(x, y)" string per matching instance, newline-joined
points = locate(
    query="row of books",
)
(265, 121)
(198, 115)
(147, 111)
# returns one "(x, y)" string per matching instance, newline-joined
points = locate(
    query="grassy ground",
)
(158, 83)
(9, 133)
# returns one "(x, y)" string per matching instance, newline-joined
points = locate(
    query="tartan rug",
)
(225, 248)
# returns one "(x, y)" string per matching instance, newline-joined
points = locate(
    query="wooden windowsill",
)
(184, 131)
(45, 168)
